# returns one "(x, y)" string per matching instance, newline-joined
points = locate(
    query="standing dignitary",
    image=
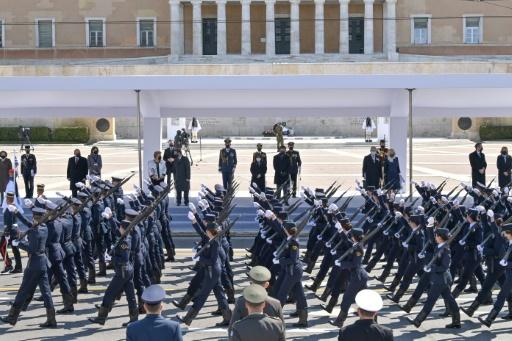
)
(227, 163)
(5, 166)
(153, 327)
(478, 165)
(257, 325)
(278, 131)
(94, 162)
(169, 158)
(392, 171)
(259, 167)
(182, 178)
(295, 166)
(77, 171)
(366, 328)
(28, 171)
(157, 168)
(504, 164)
(372, 170)
(36, 272)
(282, 170)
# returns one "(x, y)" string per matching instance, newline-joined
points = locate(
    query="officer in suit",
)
(295, 166)
(259, 167)
(169, 158)
(227, 163)
(157, 168)
(440, 282)
(77, 170)
(36, 272)
(478, 165)
(28, 170)
(504, 164)
(257, 325)
(154, 327)
(366, 328)
(372, 169)
(282, 170)
(259, 275)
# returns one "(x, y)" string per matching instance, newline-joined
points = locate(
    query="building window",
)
(96, 33)
(45, 33)
(472, 30)
(1, 33)
(421, 32)
(146, 32)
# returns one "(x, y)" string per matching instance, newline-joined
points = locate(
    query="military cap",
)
(289, 225)
(443, 233)
(357, 232)
(212, 226)
(131, 212)
(38, 211)
(255, 294)
(154, 294)
(291, 143)
(259, 274)
(50, 205)
(10, 195)
(344, 221)
(209, 217)
(370, 188)
(27, 146)
(473, 213)
(76, 201)
(507, 228)
(259, 145)
(417, 219)
(227, 140)
(282, 214)
(40, 186)
(369, 300)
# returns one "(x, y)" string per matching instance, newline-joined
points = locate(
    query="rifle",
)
(300, 227)
(457, 229)
(341, 196)
(221, 234)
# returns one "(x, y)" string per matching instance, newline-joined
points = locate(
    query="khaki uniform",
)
(272, 308)
(278, 130)
(258, 327)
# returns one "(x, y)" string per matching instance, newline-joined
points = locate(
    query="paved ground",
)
(176, 277)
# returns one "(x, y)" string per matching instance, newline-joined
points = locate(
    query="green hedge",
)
(488, 132)
(47, 135)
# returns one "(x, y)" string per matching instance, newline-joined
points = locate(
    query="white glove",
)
(456, 203)
(205, 203)
(260, 213)
(506, 190)
(405, 245)
(15, 242)
(495, 193)
(402, 202)
(509, 199)
(427, 269)
(275, 261)
(398, 215)
(333, 252)
(256, 205)
(379, 192)
(480, 209)
(337, 262)
(317, 203)
(28, 203)
(191, 216)
(108, 211)
(41, 200)
(476, 191)
(490, 214)
(79, 184)
(251, 190)
(200, 194)
(480, 248)
(12, 208)
(104, 215)
(269, 214)
(195, 259)
(319, 237)
(338, 225)
(444, 200)
(192, 207)
(363, 192)
(333, 208)
(421, 255)
(433, 200)
(201, 205)
(268, 240)
(120, 201)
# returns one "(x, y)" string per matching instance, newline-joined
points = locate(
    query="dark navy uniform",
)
(295, 165)
(28, 171)
(227, 165)
(282, 170)
(364, 330)
(258, 171)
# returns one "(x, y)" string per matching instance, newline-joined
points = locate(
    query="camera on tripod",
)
(24, 135)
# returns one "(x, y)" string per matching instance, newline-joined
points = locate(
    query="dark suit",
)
(477, 162)
(169, 152)
(258, 171)
(372, 171)
(364, 330)
(153, 328)
(77, 171)
(282, 170)
(182, 174)
(504, 164)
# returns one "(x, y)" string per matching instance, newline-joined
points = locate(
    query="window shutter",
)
(45, 33)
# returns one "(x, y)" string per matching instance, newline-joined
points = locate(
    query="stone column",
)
(399, 127)
(368, 26)
(176, 24)
(151, 127)
(197, 28)
(344, 40)
(319, 26)
(246, 27)
(221, 27)
(390, 23)
(270, 40)
(294, 27)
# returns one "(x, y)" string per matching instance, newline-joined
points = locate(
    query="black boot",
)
(310, 267)
(313, 286)
(226, 318)
(230, 293)
(330, 306)
(455, 320)
(383, 275)
(490, 318)
(411, 302)
(92, 276)
(325, 294)
(217, 312)
(393, 285)
(456, 292)
(50, 319)
(397, 296)
(418, 320)
(191, 315)
(74, 293)
(140, 304)
(102, 269)
(12, 317)
(83, 286)
(303, 319)
(134, 316)
(182, 304)
(342, 316)
(102, 315)
(68, 304)
(471, 309)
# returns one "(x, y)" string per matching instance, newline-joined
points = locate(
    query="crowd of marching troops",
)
(439, 241)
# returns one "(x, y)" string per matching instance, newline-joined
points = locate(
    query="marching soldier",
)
(295, 167)
(259, 167)
(282, 170)
(227, 163)
(478, 165)
(28, 171)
